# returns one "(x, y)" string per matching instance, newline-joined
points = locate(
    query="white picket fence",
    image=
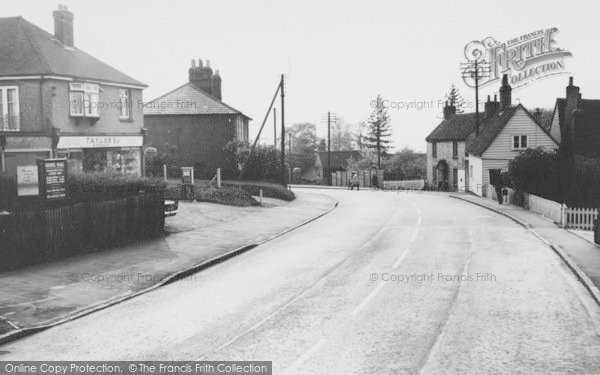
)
(567, 217)
(579, 218)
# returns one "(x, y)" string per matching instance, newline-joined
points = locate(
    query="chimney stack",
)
(202, 77)
(63, 26)
(505, 93)
(449, 111)
(571, 105)
(491, 107)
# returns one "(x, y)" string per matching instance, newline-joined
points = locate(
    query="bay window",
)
(9, 108)
(84, 99)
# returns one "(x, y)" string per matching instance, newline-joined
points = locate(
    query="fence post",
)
(219, 177)
(165, 172)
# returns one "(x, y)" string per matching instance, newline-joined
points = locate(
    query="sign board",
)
(27, 181)
(53, 178)
(187, 175)
(108, 141)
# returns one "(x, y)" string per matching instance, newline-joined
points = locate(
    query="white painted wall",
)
(475, 179)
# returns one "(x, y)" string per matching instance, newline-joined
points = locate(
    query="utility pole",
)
(290, 157)
(476, 100)
(329, 148)
(476, 70)
(282, 88)
(275, 127)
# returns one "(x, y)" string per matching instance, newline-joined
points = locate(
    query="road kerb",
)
(23, 332)
(583, 278)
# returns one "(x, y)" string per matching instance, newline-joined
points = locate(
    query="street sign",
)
(53, 178)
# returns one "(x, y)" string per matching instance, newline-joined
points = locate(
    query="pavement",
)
(387, 283)
(201, 234)
(573, 244)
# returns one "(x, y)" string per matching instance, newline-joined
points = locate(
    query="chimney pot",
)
(193, 63)
(199, 63)
(570, 81)
(208, 63)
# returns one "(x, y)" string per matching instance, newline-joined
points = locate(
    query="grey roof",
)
(188, 99)
(26, 49)
(457, 128)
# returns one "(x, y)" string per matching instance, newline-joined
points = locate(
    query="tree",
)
(322, 145)
(264, 163)
(406, 163)
(455, 99)
(304, 145)
(536, 171)
(342, 138)
(378, 131)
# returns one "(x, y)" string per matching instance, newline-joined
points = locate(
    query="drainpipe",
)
(2, 147)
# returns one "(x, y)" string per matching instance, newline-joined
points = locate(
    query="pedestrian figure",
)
(498, 188)
(354, 182)
(375, 181)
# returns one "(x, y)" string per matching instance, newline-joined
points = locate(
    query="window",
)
(9, 108)
(434, 149)
(84, 99)
(455, 150)
(124, 96)
(519, 142)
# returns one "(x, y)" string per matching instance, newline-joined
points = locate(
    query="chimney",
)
(449, 111)
(63, 26)
(202, 77)
(491, 107)
(571, 105)
(216, 85)
(505, 93)
(537, 116)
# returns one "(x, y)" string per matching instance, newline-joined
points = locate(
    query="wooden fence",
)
(580, 218)
(30, 237)
(342, 178)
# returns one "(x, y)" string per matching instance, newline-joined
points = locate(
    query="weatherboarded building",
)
(192, 124)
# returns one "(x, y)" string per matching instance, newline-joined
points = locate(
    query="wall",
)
(519, 124)
(109, 121)
(198, 138)
(444, 152)
(475, 180)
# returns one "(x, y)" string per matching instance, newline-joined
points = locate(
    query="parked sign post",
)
(53, 178)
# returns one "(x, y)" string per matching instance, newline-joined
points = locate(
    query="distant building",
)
(339, 162)
(58, 101)
(462, 157)
(193, 123)
(576, 123)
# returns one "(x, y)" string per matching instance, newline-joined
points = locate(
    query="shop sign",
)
(66, 142)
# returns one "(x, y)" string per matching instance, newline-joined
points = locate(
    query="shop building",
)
(58, 101)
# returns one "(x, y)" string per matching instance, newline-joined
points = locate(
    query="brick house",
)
(58, 101)
(576, 123)
(193, 124)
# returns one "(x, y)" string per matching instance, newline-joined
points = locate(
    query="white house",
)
(504, 134)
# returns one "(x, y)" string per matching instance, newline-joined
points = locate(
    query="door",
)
(462, 184)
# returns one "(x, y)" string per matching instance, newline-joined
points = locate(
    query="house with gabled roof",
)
(193, 124)
(464, 155)
(576, 123)
(58, 101)
(505, 132)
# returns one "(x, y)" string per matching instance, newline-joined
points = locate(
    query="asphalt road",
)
(386, 283)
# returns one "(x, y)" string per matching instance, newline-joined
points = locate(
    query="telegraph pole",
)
(329, 148)
(282, 88)
(476, 70)
(275, 127)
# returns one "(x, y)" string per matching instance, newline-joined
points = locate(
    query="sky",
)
(337, 55)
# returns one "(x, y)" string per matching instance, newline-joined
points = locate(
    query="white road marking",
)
(400, 258)
(369, 298)
(414, 236)
(294, 366)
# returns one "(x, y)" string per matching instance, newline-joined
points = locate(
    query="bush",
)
(536, 171)
(231, 196)
(101, 186)
(264, 164)
(584, 187)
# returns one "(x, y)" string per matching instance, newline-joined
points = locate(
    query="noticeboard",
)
(53, 178)
(27, 181)
(187, 175)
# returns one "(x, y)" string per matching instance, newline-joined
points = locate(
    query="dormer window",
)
(84, 99)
